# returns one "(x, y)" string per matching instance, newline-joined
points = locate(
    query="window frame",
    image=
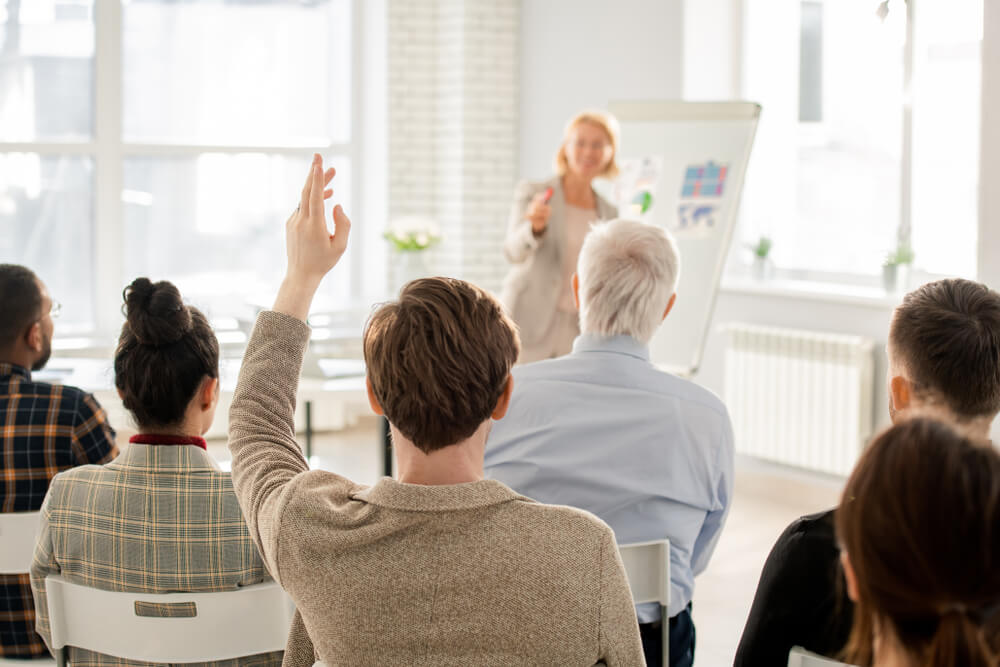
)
(109, 150)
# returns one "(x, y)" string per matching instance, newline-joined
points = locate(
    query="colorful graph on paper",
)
(704, 180)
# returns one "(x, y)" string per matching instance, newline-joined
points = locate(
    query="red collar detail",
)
(153, 439)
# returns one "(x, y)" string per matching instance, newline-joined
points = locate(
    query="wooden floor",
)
(766, 499)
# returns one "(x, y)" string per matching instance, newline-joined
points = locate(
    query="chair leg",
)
(665, 629)
(61, 656)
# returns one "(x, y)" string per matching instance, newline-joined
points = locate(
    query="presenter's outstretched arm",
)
(266, 457)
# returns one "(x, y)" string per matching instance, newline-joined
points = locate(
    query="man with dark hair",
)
(944, 361)
(443, 566)
(46, 428)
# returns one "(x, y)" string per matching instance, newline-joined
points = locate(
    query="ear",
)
(33, 337)
(852, 580)
(504, 401)
(372, 401)
(900, 393)
(209, 393)
(576, 290)
(670, 304)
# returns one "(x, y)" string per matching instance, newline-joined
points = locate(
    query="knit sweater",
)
(405, 574)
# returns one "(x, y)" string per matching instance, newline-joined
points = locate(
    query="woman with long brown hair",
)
(919, 526)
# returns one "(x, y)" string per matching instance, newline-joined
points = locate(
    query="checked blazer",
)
(45, 429)
(158, 519)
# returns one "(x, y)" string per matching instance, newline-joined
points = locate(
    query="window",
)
(869, 134)
(811, 63)
(170, 139)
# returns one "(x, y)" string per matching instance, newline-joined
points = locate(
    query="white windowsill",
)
(839, 293)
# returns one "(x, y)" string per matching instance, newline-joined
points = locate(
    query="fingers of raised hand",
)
(327, 177)
(307, 188)
(316, 186)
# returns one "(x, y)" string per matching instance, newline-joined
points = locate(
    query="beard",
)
(44, 359)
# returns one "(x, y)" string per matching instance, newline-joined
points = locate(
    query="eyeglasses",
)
(55, 310)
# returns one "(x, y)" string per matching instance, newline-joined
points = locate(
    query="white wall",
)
(453, 103)
(576, 55)
(713, 49)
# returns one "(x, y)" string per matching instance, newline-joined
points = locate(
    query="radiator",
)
(800, 398)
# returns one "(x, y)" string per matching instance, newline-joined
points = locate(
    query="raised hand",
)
(310, 247)
(538, 212)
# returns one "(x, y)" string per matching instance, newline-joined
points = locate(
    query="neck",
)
(459, 463)
(24, 359)
(889, 652)
(976, 428)
(575, 186)
(188, 428)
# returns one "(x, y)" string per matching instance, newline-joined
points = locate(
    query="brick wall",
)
(453, 127)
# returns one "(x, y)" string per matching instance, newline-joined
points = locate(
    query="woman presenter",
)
(548, 221)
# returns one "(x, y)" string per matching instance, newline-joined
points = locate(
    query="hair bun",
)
(155, 313)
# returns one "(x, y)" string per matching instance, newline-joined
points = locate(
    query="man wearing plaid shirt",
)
(46, 429)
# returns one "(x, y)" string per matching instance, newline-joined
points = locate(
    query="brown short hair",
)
(920, 522)
(438, 359)
(948, 335)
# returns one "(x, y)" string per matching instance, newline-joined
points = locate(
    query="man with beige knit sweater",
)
(441, 567)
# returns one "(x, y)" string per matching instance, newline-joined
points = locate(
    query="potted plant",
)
(410, 238)
(896, 268)
(761, 261)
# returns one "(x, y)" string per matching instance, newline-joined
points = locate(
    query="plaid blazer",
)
(46, 428)
(158, 519)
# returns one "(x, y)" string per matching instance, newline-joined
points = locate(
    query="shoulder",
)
(540, 370)
(82, 403)
(65, 482)
(529, 188)
(322, 494)
(693, 395)
(818, 527)
(563, 523)
(809, 540)
(604, 205)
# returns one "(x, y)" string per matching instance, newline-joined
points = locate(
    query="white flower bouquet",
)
(412, 234)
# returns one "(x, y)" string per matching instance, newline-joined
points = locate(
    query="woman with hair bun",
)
(919, 526)
(548, 222)
(163, 516)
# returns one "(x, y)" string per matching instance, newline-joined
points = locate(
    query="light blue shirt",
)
(604, 430)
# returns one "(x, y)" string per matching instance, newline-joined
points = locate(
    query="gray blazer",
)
(531, 289)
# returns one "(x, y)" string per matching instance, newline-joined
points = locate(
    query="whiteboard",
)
(684, 162)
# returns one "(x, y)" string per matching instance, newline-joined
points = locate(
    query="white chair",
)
(226, 624)
(799, 657)
(647, 565)
(18, 532)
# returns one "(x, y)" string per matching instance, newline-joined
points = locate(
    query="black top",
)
(801, 599)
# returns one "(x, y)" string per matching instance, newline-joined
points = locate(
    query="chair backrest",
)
(647, 565)
(799, 657)
(214, 626)
(18, 532)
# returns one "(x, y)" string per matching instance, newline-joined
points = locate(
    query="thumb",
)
(341, 227)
